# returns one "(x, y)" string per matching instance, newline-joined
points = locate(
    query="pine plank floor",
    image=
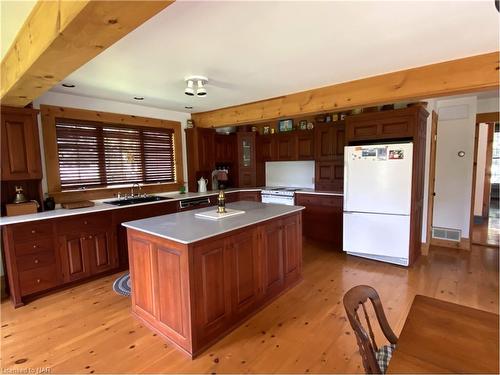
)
(89, 329)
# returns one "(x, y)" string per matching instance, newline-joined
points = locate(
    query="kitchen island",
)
(195, 279)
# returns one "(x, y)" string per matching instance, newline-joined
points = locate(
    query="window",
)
(95, 155)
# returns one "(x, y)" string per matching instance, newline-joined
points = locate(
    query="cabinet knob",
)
(38, 281)
(85, 222)
(84, 238)
(33, 231)
(36, 261)
(90, 237)
(35, 246)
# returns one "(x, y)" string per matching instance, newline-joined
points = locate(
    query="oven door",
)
(278, 199)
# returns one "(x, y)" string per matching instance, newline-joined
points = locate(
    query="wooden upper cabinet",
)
(20, 145)
(247, 168)
(330, 141)
(384, 125)
(266, 147)
(305, 145)
(224, 148)
(286, 147)
(206, 158)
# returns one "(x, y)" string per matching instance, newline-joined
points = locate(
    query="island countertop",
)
(186, 228)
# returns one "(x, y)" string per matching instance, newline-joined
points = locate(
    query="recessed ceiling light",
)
(68, 85)
(188, 107)
(138, 98)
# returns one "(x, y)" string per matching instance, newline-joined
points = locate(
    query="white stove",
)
(279, 195)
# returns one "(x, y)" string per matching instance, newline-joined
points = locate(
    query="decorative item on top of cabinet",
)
(246, 142)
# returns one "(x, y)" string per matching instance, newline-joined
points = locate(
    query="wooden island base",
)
(194, 294)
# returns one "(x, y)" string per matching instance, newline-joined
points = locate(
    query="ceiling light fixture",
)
(138, 98)
(188, 107)
(200, 85)
(68, 85)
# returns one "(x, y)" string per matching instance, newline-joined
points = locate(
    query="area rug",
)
(122, 285)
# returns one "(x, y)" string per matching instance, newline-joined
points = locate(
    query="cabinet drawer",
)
(32, 231)
(85, 223)
(35, 260)
(37, 279)
(35, 246)
(320, 200)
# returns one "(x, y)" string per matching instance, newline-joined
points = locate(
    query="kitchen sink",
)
(135, 200)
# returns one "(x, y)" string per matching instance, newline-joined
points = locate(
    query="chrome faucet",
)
(132, 188)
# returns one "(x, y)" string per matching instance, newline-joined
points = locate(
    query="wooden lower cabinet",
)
(199, 292)
(322, 218)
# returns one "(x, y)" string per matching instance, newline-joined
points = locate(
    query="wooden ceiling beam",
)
(471, 74)
(60, 36)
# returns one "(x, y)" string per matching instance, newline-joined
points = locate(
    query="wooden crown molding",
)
(470, 74)
(60, 36)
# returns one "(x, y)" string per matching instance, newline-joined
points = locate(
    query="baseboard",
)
(464, 243)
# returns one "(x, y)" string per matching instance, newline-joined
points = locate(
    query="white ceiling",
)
(256, 50)
(12, 15)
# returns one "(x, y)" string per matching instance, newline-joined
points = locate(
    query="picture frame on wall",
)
(303, 124)
(285, 125)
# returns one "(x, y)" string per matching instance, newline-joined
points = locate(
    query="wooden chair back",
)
(353, 299)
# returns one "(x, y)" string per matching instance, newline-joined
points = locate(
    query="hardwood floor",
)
(88, 329)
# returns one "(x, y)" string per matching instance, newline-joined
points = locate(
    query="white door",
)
(377, 234)
(377, 178)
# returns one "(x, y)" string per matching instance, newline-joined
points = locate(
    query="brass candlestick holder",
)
(221, 203)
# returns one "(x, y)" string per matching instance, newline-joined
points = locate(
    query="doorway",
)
(486, 223)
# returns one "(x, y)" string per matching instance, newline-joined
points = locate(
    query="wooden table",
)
(443, 337)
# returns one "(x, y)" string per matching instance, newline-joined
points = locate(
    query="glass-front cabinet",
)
(246, 159)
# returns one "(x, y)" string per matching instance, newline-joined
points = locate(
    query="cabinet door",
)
(211, 288)
(224, 148)
(330, 175)
(323, 135)
(253, 196)
(338, 141)
(245, 285)
(74, 257)
(272, 258)
(20, 148)
(292, 245)
(286, 147)
(305, 146)
(266, 147)
(206, 149)
(103, 255)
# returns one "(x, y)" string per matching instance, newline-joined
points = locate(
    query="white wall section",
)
(456, 127)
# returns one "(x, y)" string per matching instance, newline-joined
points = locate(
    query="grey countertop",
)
(100, 205)
(186, 228)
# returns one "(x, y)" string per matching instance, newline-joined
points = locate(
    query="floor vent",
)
(446, 234)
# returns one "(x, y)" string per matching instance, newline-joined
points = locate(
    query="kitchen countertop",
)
(185, 227)
(101, 206)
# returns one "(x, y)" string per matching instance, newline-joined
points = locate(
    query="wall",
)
(74, 101)
(488, 105)
(480, 169)
(456, 128)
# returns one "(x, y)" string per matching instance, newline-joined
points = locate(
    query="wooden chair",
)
(368, 349)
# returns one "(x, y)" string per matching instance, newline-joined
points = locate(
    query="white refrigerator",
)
(377, 201)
